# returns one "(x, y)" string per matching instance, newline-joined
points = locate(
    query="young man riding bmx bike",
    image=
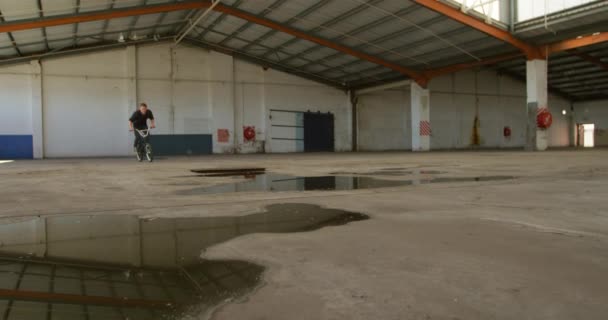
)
(139, 124)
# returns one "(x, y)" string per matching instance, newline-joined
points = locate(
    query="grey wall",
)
(455, 100)
(595, 112)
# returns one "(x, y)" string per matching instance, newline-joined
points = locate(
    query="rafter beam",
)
(190, 5)
(135, 20)
(217, 21)
(107, 22)
(437, 56)
(59, 20)
(333, 21)
(79, 50)
(83, 299)
(11, 37)
(523, 79)
(464, 66)
(41, 15)
(400, 48)
(248, 24)
(324, 42)
(316, 6)
(75, 32)
(373, 24)
(531, 51)
(320, 62)
(266, 63)
(576, 43)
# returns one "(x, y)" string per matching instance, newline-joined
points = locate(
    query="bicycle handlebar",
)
(143, 133)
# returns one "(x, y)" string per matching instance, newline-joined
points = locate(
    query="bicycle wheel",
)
(149, 155)
(138, 152)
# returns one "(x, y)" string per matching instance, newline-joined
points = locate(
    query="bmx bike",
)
(143, 148)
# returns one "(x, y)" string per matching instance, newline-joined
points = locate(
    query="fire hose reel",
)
(249, 133)
(544, 119)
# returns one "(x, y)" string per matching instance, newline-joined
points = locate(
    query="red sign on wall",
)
(223, 135)
(425, 128)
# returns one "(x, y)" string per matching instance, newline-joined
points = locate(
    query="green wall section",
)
(181, 144)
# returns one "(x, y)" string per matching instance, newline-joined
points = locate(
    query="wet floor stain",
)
(275, 183)
(244, 172)
(389, 172)
(124, 267)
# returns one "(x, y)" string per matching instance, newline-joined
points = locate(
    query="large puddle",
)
(124, 267)
(271, 182)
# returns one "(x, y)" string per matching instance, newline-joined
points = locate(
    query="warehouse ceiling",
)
(363, 42)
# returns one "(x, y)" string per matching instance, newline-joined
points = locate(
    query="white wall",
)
(383, 121)
(16, 93)
(455, 100)
(18, 112)
(595, 112)
(196, 94)
(84, 105)
(87, 99)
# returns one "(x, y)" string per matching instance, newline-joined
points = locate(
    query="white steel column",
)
(421, 118)
(238, 110)
(37, 113)
(131, 94)
(132, 78)
(536, 84)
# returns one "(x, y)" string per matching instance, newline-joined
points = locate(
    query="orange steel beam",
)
(576, 43)
(121, 13)
(96, 16)
(464, 66)
(566, 45)
(78, 299)
(531, 52)
(302, 35)
(587, 57)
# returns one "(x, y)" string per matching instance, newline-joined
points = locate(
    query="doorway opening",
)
(297, 131)
(586, 135)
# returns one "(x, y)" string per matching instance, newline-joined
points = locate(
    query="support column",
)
(421, 118)
(132, 102)
(572, 126)
(536, 84)
(507, 10)
(354, 126)
(171, 129)
(238, 110)
(131, 94)
(37, 113)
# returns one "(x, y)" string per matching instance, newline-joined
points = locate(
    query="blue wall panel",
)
(16, 147)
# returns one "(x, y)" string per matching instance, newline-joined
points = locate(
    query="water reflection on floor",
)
(390, 172)
(229, 172)
(274, 182)
(123, 267)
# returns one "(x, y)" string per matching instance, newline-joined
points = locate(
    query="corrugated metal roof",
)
(576, 75)
(399, 31)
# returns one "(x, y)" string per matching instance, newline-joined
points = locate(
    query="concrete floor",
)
(535, 247)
